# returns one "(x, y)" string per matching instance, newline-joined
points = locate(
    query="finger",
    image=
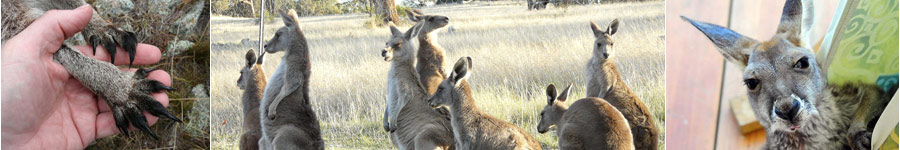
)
(145, 54)
(54, 26)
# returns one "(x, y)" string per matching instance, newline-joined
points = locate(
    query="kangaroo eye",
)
(803, 63)
(751, 83)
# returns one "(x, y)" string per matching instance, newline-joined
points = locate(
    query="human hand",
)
(43, 107)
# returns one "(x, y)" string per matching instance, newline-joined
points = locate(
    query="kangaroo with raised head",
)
(127, 94)
(253, 82)
(430, 63)
(788, 90)
(287, 118)
(604, 81)
(590, 123)
(412, 123)
(472, 128)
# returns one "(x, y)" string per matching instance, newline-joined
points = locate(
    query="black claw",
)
(139, 121)
(155, 108)
(121, 121)
(142, 73)
(94, 42)
(128, 42)
(111, 49)
(157, 86)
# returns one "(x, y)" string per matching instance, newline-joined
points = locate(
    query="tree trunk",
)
(385, 9)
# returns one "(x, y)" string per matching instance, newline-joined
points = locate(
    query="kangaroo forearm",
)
(90, 72)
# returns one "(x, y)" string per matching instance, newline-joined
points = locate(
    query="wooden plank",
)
(693, 74)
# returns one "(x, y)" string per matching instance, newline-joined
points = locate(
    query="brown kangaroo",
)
(430, 63)
(472, 128)
(413, 125)
(604, 81)
(590, 123)
(253, 82)
(287, 118)
(127, 94)
(788, 90)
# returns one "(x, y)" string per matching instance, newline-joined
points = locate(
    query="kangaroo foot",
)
(108, 36)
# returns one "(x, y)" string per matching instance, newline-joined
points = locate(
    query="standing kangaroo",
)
(253, 82)
(413, 125)
(788, 90)
(472, 128)
(591, 123)
(126, 93)
(287, 118)
(604, 81)
(430, 63)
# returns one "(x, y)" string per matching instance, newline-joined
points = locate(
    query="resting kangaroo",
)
(413, 125)
(253, 82)
(590, 123)
(126, 93)
(472, 128)
(604, 81)
(430, 64)
(788, 90)
(287, 118)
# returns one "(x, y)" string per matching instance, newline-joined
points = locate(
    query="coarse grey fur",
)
(126, 93)
(590, 123)
(472, 128)
(286, 114)
(253, 82)
(410, 121)
(604, 81)
(430, 64)
(788, 91)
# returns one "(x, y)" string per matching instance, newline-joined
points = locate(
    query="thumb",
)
(52, 28)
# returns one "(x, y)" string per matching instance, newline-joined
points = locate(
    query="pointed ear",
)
(613, 26)
(412, 31)
(596, 28)
(414, 15)
(551, 94)
(461, 71)
(251, 57)
(796, 21)
(734, 46)
(262, 56)
(394, 30)
(564, 95)
(289, 17)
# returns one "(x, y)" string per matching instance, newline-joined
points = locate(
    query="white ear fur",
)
(564, 95)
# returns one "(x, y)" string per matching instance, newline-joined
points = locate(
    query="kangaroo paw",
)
(129, 110)
(108, 37)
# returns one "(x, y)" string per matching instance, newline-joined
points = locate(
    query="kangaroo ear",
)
(551, 94)
(613, 26)
(414, 14)
(394, 30)
(461, 70)
(597, 30)
(251, 57)
(565, 94)
(262, 56)
(289, 17)
(734, 46)
(796, 21)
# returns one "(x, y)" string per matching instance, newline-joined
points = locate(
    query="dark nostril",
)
(788, 113)
(605, 55)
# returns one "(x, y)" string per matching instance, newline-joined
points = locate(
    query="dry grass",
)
(516, 53)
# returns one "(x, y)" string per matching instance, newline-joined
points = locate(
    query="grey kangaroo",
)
(788, 90)
(253, 82)
(430, 63)
(604, 81)
(126, 93)
(412, 123)
(590, 123)
(472, 128)
(287, 118)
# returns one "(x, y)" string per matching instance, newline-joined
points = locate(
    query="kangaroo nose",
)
(383, 53)
(605, 55)
(788, 111)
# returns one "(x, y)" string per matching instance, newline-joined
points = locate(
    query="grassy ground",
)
(516, 54)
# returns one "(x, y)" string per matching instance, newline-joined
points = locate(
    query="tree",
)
(387, 11)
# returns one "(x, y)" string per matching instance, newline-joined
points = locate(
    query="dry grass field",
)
(516, 54)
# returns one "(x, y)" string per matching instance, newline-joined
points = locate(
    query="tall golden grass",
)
(516, 54)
